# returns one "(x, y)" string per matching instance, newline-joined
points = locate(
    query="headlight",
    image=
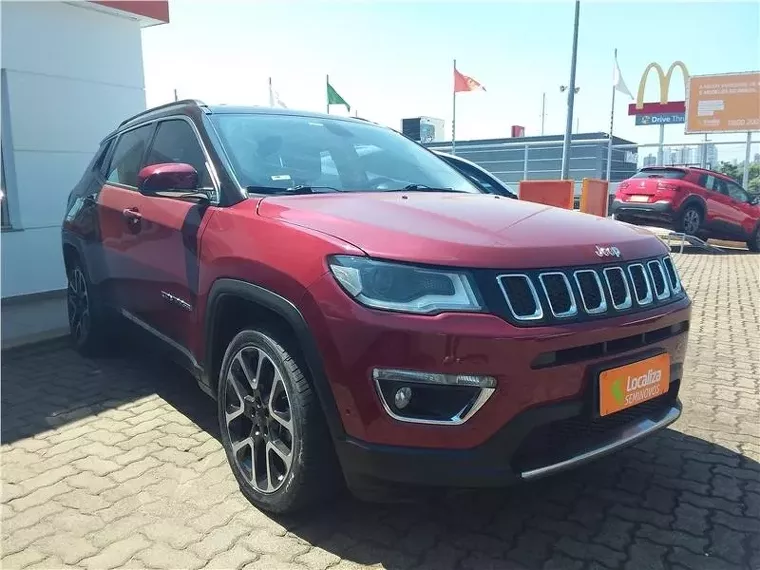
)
(406, 288)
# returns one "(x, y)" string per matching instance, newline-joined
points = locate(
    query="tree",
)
(736, 171)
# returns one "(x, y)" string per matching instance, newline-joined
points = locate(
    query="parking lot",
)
(116, 463)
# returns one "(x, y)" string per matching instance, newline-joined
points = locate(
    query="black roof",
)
(194, 106)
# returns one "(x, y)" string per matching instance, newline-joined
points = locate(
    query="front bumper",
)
(536, 444)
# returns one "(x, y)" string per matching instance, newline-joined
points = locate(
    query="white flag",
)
(274, 99)
(617, 80)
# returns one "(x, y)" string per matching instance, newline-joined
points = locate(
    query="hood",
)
(464, 230)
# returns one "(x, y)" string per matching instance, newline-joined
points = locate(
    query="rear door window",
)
(127, 156)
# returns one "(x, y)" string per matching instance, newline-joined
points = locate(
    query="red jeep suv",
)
(370, 317)
(691, 200)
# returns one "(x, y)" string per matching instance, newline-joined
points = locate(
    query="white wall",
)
(72, 74)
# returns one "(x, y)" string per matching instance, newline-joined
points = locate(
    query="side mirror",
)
(167, 177)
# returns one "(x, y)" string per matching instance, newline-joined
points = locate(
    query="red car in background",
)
(691, 200)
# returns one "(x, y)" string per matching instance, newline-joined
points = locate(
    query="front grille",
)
(538, 297)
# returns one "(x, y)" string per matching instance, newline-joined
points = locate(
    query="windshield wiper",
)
(423, 188)
(298, 189)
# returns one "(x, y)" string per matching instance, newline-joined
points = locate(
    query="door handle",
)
(132, 214)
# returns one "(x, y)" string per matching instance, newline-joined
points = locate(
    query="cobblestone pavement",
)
(116, 463)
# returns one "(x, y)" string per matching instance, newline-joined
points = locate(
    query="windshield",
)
(277, 152)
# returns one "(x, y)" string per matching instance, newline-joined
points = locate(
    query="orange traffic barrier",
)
(594, 198)
(557, 193)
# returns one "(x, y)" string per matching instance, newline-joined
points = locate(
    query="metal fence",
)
(512, 162)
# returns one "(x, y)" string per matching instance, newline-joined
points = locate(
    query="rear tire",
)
(753, 243)
(87, 317)
(273, 431)
(690, 220)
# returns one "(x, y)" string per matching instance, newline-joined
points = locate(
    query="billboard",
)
(725, 103)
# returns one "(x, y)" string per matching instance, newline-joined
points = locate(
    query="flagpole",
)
(454, 114)
(327, 91)
(271, 97)
(612, 124)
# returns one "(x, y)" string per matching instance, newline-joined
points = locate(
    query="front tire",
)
(273, 431)
(690, 220)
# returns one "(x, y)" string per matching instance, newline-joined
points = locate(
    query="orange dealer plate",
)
(626, 386)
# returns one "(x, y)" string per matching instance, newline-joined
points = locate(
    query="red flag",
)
(464, 83)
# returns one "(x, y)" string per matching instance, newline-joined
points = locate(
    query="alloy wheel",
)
(258, 419)
(78, 304)
(690, 221)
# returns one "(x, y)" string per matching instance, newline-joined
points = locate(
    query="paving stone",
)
(117, 553)
(39, 496)
(232, 559)
(171, 532)
(262, 542)
(318, 559)
(69, 547)
(160, 555)
(22, 559)
(97, 465)
(269, 562)
(76, 523)
(31, 516)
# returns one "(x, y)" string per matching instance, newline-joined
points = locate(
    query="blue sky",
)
(393, 59)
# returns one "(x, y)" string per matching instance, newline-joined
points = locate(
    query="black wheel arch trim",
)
(284, 308)
(691, 201)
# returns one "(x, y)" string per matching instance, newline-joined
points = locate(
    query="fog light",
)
(430, 397)
(402, 397)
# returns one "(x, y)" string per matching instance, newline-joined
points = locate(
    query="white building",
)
(71, 71)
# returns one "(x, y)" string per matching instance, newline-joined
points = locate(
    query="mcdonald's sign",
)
(663, 106)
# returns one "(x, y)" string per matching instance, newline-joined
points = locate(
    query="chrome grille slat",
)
(538, 313)
(655, 268)
(673, 280)
(628, 301)
(601, 307)
(573, 308)
(641, 300)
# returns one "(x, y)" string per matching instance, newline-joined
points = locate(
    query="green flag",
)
(334, 99)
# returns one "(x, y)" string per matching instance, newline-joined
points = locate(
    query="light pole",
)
(543, 112)
(570, 97)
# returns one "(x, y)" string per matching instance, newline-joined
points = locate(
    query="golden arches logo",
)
(664, 81)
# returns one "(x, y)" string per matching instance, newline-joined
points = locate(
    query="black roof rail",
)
(163, 107)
